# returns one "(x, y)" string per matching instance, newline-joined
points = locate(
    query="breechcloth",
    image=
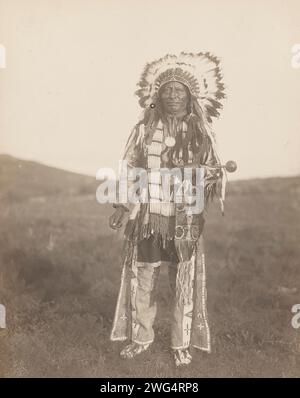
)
(150, 251)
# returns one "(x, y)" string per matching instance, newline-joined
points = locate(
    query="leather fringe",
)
(184, 283)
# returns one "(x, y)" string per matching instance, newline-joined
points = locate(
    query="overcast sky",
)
(67, 92)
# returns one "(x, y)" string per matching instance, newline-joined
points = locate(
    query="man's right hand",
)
(117, 218)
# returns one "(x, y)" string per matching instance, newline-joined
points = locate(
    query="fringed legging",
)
(143, 293)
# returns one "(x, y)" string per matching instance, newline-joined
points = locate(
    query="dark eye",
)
(165, 91)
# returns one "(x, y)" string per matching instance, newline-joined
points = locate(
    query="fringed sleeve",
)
(133, 153)
(213, 176)
(134, 157)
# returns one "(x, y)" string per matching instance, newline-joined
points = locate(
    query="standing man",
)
(180, 95)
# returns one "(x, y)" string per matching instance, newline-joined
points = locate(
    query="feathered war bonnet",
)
(201, 74)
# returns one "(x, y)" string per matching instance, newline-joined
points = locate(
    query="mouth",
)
(172, 103)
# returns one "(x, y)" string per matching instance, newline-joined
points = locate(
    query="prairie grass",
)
(60, 271)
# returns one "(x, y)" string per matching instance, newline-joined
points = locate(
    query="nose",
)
(172, 92)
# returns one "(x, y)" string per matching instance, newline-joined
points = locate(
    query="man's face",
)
(174, 97)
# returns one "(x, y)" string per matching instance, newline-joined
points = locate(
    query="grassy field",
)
(60, 272)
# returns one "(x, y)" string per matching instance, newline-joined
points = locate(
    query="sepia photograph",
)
(149, 191)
